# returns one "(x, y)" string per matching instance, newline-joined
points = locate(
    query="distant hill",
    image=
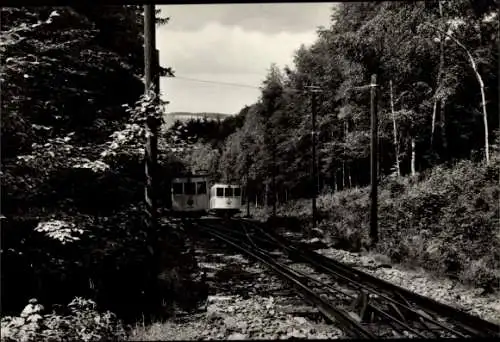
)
(172, 117)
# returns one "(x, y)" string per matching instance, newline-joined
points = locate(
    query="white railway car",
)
(189, 194)
(225, 199)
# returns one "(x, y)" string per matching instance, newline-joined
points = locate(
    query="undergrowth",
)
(448, 223)
(79, 321)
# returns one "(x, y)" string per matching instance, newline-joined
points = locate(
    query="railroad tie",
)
(361, 308)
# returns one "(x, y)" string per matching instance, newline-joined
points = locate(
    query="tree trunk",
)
(433, 123)
(481, 88)
(274, 191)
(439, 77)
(444, 140)
(266, 196)
(394, 130)
(319, 187)
(349, 176)
(346, 130)
(413, 157)
(343, 175)
(256, 201)
(485, 121)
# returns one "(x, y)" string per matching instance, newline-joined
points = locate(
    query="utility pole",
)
(373, 156)
(274, 177)
(151, 148)
(156, 75)
(313, 90)
(248, 183)
(374, 159)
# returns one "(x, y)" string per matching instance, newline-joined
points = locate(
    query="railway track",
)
(360, 304)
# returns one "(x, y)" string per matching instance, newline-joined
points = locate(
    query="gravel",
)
(235, 318)
(246, 302)
(419, 281)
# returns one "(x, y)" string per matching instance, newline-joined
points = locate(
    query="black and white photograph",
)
(250, 171)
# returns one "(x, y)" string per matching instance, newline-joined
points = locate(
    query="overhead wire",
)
(314, 89)
(215, 82)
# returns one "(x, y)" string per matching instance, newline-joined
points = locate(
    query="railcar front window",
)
(177, 187)
(220, 192)
(201, 188)
(228, 192)
(189, 188)
(237, 192)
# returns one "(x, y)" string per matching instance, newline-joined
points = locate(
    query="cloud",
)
(190, 96)
(230, 43)
(269, 18)
(221, 49)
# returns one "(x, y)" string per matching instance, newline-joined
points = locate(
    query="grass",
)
(447, 223)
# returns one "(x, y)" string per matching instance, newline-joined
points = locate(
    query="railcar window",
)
(228, 192)
(189, 188)
(220, 192)
(177, 187)
(237, 192)
(201, 188)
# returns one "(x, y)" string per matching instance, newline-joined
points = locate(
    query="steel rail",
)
(334, 314)
(474, 325)
(295, 253)
(370, 305)
(391, 319)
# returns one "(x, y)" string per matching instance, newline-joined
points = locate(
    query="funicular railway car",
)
(225, 199)
(189, 195)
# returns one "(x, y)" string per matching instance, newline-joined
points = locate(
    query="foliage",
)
(447, 223)
(80, 321)
(73, 172)
(396, 41)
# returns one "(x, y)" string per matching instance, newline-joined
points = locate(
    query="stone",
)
(237, 336)
(242, 325)
(213, 313)
(300, 320)
(218, 299)
(230, 323)
(296, 333)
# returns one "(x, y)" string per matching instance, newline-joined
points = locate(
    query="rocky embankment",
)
(444, 290)
(246, 302)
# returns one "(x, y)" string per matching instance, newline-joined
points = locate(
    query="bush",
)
(107, 260)
(447, 222)
(81, 321)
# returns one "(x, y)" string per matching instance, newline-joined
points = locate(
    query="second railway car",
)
(225, 199)
(190, 195)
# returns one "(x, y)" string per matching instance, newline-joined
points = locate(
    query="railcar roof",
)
(190, 175)
(220, 185)
(191, 178)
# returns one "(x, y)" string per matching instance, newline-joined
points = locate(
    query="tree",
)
(63, 175)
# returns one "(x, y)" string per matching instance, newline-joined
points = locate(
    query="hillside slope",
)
(447, 223)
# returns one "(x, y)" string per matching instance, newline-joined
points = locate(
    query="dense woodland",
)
(72, 176)
(437, 70)
(432, 60)
(72, 172)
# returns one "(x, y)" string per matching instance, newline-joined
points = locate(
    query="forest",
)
(433, 61)
(72, 173)
(437, 73)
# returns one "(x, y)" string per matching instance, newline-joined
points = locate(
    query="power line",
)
(215, 82)
(286, 89)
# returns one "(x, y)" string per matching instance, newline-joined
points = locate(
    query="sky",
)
(230, 43)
